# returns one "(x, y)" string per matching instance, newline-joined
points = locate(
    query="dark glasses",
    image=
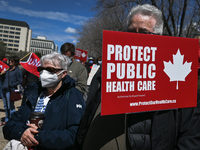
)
(141, 31)
(11, 60)
(50, 69)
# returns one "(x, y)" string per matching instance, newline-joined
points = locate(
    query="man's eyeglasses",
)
(50, 69)
(141, 31)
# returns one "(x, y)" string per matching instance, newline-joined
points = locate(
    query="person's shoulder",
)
(76, 95)
(17, 70)
(74, 91)
(77, 62)
(79, 65)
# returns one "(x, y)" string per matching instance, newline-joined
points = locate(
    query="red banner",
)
(143, 72)
(81, 54)
(32, 63)
(3, 66)
(199, 57)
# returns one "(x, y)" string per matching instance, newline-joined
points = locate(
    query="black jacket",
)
(165, 130)
(62, 116)
(177, 129)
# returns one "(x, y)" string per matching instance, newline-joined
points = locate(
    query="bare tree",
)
(181, 18)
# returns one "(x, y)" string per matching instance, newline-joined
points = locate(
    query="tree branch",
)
(183, 17)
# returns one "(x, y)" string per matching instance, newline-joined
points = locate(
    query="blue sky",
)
(55, 19)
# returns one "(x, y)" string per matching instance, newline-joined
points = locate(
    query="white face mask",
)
(48, 79)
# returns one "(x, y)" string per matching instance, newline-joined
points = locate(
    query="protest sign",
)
(142, 72)
(31, 64)
(81, 54)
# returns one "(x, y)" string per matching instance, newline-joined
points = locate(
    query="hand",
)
(3, 72)
(33, 126)
(27, 138)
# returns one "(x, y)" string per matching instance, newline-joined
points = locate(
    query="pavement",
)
(3, 142)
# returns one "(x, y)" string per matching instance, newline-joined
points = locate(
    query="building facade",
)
(42, 45)
(56, 48)
(15, 34)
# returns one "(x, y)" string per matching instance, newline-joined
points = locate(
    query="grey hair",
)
(56, 59)
(147, 10)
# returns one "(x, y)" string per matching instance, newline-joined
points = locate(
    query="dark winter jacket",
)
(14, 77)
(62, 116)
(177, 129)
(165, 130)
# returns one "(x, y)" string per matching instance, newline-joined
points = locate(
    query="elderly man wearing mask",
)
(59, 100)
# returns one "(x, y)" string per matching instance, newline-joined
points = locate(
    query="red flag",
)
(81, 54)
(32, 63)
(3, 66)
(199, 58)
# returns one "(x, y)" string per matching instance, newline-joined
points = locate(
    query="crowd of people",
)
(72, 110)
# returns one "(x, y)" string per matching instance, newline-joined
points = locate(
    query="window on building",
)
(15, 45)
(11, 36)
(18, 33)
(10, 49)
(5, 40)
(5, 31)
(17, 37)
(15, 49)
(16, 41)
(1, 30)
(18, 29)
(12, 28)
(10, 40)
(0, 35)
(1, 26)
(10, 44)
(6, 27)
(5, 35)
(11, 32)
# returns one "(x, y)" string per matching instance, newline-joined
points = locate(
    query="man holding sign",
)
(133, 80)
(158, 129)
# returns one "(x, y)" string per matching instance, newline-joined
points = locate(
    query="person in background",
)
(55, 96)
(28, 78)
(76, 70)
(83, 62)
(99, 60)
(2, 76)
(5, 61)
(177, 129)
(89, 65)
(13, 77)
